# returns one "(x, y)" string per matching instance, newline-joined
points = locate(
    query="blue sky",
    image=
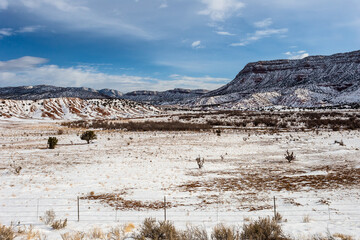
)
(163, 44)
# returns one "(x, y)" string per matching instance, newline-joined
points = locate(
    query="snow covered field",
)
(123, 177)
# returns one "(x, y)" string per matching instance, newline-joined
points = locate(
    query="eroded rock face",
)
(312, 81)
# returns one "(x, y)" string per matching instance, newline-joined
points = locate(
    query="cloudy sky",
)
(162, 44)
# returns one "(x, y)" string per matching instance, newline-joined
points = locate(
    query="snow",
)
(148, 166)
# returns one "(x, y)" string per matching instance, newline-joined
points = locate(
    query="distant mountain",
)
(169, 97)
(310, 82)
(74, 109)
(45, 92)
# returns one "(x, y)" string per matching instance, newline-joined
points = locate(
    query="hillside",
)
(74, 109)
(310, 82)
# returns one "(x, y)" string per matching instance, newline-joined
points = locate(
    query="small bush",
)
(16, 169)
(48, 217)
(289, 156)
(221, 232)
(218, 132)
(194, 233)
(117, 233)
(306, 219)
(264, 229)
(59, 224)
(96, 233)
(341, 143)
(278, 217)
(73, 236)
(6, 233)
(88, 136)
(200, 162)
(162, 230)
(52, 142)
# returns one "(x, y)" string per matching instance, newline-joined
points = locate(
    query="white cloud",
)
(219, 10)
(28, 29)
(5, 32)
(259, 35)
(84, 16)
(264, 23)
(225, 33)
(297, 55)
(164, 4)
(3, 4)
(62, 5)
(25, 71)
(196, 45)
(21, 63)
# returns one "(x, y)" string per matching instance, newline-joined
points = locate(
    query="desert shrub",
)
(96, 233)
(16, 169)
(341, 143)
(73, 236)
(140, 126)
(48, 217)
(162, 230)
(263, 229)
(117, 233)
(278, 217)
(343, 236)
(200, 161)
(59, 224)
(218, 132)
(306, 219)
(6, 233)
(88, 136)
(221, 232)
(289, 156)
(194, 233)
(52, 142)
(60, 132)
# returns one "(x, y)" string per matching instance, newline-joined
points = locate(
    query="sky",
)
(132, 45)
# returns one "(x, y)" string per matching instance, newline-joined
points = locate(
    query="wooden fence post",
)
(164, 208)
(274, 208)
(78, 208)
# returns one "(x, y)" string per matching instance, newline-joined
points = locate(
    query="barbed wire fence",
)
(29, 210)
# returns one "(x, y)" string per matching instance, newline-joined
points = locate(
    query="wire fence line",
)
(29, 211)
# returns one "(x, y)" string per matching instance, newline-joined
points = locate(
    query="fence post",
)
(165, 208)
(37, 210)
(78, 208)
(274, 207)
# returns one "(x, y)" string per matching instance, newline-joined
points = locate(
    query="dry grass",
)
(59, 224)
(194, 233)
(262, 179)
(162, 230)
(263, 228)
(73, 236)
(6, 233)
(306, 219)
(116, 201)
(221, 232)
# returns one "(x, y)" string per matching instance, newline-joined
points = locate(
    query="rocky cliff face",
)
(312, 81)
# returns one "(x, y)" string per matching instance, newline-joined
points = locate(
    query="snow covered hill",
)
(74, 109)
(309, 82)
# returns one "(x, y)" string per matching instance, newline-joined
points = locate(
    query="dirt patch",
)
(117, 201)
